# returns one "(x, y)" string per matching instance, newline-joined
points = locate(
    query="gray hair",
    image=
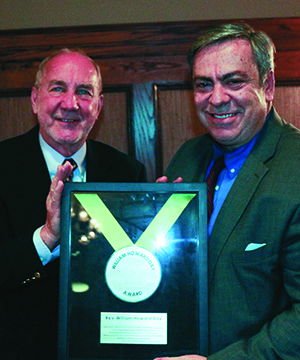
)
(263, 48)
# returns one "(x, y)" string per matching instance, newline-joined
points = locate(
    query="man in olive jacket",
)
(254, 230)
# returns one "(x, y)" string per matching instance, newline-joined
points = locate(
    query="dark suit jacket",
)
(29, 305)
(254, 296)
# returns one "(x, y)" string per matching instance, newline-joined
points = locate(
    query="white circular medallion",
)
(133, 274)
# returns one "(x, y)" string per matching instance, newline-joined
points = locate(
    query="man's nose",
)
(219, 95)
(70, 101)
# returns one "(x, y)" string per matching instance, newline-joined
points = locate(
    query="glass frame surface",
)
(133, 271)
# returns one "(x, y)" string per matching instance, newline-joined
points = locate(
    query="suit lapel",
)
(27, 163)
(98, 162)
(197, 159)
(232, 210)
(243, 189)
(29, 159)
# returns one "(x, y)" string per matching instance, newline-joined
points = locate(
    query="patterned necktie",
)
(75, 166)
(211, 180)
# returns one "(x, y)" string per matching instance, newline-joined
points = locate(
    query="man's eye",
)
(235, 83)
(56, 89)
(202, 86)
(84, 92)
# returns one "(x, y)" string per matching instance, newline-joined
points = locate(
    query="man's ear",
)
(34, 96)
(100, 103)
(269, 86)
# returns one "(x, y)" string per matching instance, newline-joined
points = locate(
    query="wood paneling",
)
(287, 103)
(134, 53)
(177, 118)
(144, 124)
(16, 116)
(113, 126)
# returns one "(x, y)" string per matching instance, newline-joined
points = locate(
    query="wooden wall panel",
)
(16, 116)
(287, 103)
(145, 127)
(111, 126)
(178, 119)
(135, 52)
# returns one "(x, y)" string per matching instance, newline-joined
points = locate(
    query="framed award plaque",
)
(133, 276)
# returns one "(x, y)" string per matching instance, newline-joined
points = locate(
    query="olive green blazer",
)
(254, 248)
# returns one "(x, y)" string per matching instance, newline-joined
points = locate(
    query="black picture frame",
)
(87, 300)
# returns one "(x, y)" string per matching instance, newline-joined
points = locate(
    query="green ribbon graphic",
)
(115, 234)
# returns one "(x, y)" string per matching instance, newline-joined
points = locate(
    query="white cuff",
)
(42, 249)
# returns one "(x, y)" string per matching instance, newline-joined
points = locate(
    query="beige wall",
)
(21, 14)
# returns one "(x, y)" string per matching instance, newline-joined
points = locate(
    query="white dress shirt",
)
(53, 159)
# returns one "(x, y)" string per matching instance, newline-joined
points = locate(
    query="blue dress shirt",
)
(234, 161)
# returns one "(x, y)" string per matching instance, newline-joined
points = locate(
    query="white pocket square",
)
(254, 246)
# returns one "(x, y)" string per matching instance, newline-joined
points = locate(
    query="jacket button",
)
(37, 275)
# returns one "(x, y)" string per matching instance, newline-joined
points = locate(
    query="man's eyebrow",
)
(62, 83)
(223, 77)
(235, 73)
(205, 78)
(85, 86)
(57, 82)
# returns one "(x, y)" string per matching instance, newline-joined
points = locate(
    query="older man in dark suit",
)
(254, 228)
(67, 100)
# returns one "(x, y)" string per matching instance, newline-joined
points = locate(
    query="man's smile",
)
(223, 116)
(67, 119)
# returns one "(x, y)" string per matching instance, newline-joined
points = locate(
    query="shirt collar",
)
(54, 158)
(236, 158)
